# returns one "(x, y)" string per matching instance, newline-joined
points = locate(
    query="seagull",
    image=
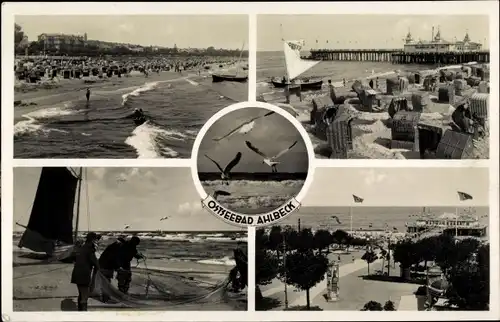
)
(126, 227)
(163, 218)
(337, 219)
(245, 130)
(225, 173)
(270, 161)
(220, 193)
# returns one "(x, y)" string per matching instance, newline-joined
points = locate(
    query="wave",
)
(30, 123)
(254, 202)
(250, 183)
(147, 139)
(136, 92)
(226, 261)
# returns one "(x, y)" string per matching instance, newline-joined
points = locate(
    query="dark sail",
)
(51, 217)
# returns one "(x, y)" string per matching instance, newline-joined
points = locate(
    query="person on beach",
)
(128, 251)
(88, 94)
(371, 83)
(331, 89)
(344, 82)
(85, 263)
(376, 82)
(238, 276)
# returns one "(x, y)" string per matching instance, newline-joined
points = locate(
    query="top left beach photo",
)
(123, 86)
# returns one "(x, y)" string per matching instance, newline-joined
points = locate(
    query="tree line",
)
(92, 50)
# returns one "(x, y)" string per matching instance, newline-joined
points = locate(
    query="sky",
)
(364, 31)
(398, 187)
(138, 197)
(270, 135)
(196, 31)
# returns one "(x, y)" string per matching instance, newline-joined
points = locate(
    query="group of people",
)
(116, 258)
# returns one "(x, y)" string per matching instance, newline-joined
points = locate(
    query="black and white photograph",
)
(123, 86)
(392, 87)
(385, 239)
(108, 239)
(252, 160)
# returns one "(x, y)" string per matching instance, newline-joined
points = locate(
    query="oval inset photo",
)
(252, 161)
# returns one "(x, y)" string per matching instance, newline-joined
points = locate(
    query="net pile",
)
(157, 288)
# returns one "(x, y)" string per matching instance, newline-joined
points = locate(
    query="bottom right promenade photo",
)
(380, 239)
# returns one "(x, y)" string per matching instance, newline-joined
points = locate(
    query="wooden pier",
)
(397, 56)
(380, 55)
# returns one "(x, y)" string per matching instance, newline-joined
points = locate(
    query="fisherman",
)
(241, 281)
(85, 263)
(344, 82)
(371, 83)
(108, 262)
(128, 251)
(88, 94)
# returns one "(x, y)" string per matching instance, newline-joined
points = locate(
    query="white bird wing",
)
(254, 149)
(233, 131)
(215, 162)
(285, 151)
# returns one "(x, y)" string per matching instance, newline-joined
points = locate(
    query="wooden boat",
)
(217, 78)
(314, 85)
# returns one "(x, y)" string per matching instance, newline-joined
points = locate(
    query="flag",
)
(357, 199)
(464, 196)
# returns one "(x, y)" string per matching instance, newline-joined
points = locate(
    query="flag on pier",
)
(357, 199)
(464, 196)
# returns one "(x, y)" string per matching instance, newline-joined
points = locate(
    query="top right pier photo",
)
(381, 86)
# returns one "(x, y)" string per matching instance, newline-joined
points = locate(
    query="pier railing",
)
(398, 56)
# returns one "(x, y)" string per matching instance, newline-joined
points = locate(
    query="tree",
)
(369, 257)
(470, 279)
(18, 35)
(340, 237)
(276, 240)
(322, 239)
(372, 306)
(266, 265)
(389, 306)
(306, 239)
(304, 270)
(404, 254)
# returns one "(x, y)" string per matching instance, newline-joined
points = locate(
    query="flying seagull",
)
(270, 161)
(126, 227)
(218, 193)
(337, 219)
(225, 173)
(245, 127)
(163, 218)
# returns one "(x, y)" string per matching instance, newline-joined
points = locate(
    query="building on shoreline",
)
(439, 45)
(458, 225)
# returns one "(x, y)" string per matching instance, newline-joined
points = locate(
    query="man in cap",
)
(85, 263)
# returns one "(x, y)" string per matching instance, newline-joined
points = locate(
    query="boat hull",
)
(228, 78)
(316, 85)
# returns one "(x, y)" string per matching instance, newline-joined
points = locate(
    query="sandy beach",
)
(47, 287)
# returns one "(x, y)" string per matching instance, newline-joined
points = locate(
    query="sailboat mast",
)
(80, 179)
(239, 59)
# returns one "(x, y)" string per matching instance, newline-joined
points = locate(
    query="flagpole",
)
(284, 270)
(350, 218)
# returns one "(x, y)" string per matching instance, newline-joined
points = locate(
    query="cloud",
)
(189, 207)
(371, 177)
(99, 173)
(126, 27)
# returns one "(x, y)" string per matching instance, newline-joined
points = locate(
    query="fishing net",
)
(151, 287)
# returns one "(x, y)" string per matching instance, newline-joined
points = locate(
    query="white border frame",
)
(260, 105)
(490, 8)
